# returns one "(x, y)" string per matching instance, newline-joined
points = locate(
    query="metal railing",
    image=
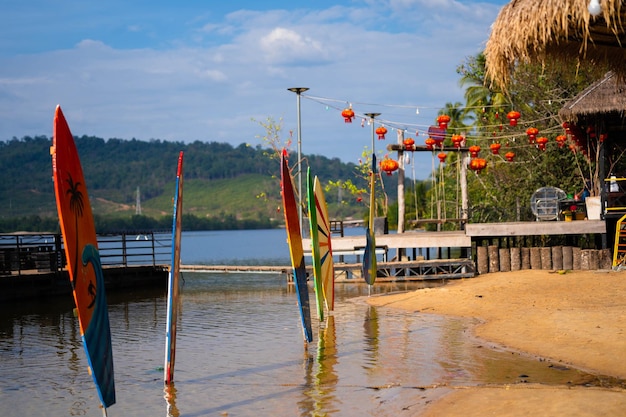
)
(22, 253)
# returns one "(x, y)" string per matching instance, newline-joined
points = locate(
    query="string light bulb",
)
(594, 7)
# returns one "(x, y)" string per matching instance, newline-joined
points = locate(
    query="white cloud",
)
(239, 68)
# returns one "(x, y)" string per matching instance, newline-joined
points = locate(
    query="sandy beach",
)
(575, 318)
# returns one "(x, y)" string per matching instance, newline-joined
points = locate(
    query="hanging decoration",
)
(509, 156)
(474, 149)
(443, 121)
(541, 143)
(348, 115)
(532, 133)
(389, 165)
(513, 117)
(381, 132)
(495, 148)
(477, 164)
(409, 144)
(457, 141)
(430, 142)
(442, 157)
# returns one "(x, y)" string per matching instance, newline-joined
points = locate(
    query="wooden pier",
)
(33, 264)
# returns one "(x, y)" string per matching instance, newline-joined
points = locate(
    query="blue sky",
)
(205, 70)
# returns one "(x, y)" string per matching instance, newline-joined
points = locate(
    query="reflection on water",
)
(240, 352)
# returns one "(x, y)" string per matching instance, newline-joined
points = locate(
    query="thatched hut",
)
(604, 99)
(596, 120)
(536, 30)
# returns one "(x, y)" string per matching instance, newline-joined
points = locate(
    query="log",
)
(576, 258)
(567, 258)
(516, 259)
(535, 258)
(494, 262)
(557, 257)
(546, 258)
(605, 259)
(525, 258)
(589, 260)
(505, 259)
(482, 260)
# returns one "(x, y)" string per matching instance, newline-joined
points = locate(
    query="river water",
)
(240, 350)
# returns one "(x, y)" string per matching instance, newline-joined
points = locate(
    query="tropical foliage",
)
(502, 191)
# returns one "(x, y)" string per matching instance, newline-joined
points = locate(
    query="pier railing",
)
(27, 253)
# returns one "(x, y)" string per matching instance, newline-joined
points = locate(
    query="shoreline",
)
(575, 318)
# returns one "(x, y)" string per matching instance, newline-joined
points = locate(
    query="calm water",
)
(240, 350)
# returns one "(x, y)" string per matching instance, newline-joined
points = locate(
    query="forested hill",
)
(220, 180)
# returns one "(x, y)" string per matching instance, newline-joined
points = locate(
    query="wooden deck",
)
(351, 272)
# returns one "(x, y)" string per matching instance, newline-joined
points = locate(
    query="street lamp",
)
(298, 91)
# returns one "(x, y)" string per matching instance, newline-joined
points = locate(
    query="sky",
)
(213, 71)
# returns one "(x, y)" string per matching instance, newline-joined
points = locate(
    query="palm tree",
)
(76, 206)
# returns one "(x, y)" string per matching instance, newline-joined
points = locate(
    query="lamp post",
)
(298, 91)
(372, 116)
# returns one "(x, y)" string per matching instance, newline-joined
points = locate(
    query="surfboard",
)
(323, 264)
(369, 255)
(83, 258)
(173, 282)
(294, 239)
(315, 246)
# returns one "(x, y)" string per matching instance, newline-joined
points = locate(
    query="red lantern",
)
(509, 156)
(532, 134)
(348, 115)
(513, 116)
(457, 140)
(442, 157)
(381, 132)
(561, 140)
(541, 143)
(409, 144)
(430, 142)
(443, 121)
(474, 149)
(495, 148)
(477, 164)
(389, 165)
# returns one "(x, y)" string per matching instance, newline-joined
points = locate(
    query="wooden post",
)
(576, 258)
(505, 259)
(464, 197)
(525, 257)
(535, 258)
(482, 259)
(557, 257)
(494, 262)
(546, 257)
(568, 261)
(401, 252)
(400, 183)
(516, 258)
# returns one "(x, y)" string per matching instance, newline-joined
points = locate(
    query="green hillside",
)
(221, 182)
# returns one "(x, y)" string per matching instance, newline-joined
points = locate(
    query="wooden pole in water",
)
(298, 91)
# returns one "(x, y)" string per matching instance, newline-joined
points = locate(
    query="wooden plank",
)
(535, 228)
(445, 239)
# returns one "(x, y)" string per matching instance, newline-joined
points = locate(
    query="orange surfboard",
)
(83, 257)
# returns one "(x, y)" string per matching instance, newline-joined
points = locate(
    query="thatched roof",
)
(605, 98)
(536, 30)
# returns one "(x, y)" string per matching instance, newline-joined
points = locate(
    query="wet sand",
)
(576, 319)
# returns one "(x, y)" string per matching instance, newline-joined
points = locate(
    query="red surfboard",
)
(83, 257)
